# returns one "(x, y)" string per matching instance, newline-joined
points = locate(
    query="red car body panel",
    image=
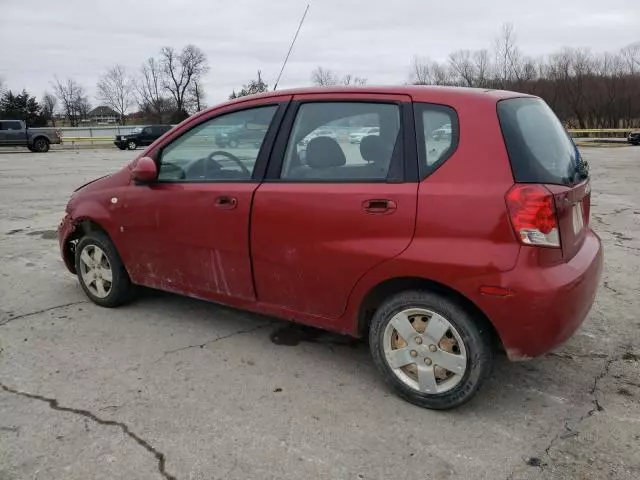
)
(308, 252)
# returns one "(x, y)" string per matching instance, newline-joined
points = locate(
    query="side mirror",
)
(145, 170)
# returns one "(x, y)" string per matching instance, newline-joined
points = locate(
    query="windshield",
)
(539, 148)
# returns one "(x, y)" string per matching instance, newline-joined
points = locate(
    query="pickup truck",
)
(14, 133)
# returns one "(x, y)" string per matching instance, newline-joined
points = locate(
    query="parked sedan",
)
(634, 138)
(141, 136)
(408, 247)
(356, 137)
(322, 132)
(442, 132)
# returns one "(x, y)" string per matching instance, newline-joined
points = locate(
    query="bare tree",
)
(428, 72)
(150, 86)
(180, 70)
(49, 103)
(507, 55)
(73, 99)
(116, 90)
(420, 71)
(196, 97)
(631, 56)
(254, 86)
(482, 65)
(324, 77)
(463, 67)
(1, 85)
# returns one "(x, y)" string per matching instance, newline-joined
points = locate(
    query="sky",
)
(374, 39)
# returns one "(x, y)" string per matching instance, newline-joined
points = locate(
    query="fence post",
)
(91, 134)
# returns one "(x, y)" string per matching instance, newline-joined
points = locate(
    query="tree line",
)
(585, 89)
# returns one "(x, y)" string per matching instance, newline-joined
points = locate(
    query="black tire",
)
(121, 289)
(122, 148)
(475, 335)
(132, 145)
(41, 145)
(31, 149)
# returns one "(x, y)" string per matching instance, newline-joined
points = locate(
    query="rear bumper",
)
(548, 304)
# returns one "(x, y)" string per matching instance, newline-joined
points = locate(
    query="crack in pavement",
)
(568, 432)
(213, 340)
(44, 310)
(53, 404)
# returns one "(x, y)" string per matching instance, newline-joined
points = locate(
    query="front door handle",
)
(379, 206)
(225, 202)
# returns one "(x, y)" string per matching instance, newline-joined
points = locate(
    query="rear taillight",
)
(533, 215)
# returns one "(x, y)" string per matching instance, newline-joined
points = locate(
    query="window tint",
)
(437, 132)
(11, 125)
(336, 141)
(223, 148)
(539, 147)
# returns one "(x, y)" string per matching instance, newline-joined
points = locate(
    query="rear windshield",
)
(540, 149)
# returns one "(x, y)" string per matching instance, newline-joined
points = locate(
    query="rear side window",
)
(540, 149)
(344, 141)
(437, 134)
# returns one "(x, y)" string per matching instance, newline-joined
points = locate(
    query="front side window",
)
(342, 141)
(224, 148)
(437, 135)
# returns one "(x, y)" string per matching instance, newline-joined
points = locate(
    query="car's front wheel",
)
(101, 272)
(431, 351)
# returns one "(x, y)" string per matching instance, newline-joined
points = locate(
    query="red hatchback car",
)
(440, 248)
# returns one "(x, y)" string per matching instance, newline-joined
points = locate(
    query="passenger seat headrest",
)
(373, 149)
(324, 152)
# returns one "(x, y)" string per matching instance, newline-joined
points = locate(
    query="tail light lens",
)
(533, 215)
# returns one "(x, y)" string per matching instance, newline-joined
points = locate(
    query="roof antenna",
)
(295, 37)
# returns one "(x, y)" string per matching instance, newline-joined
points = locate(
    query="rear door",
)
(541, 151)
(330, 210)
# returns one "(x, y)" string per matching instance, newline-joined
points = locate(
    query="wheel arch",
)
(82, 226)
(40, 137)
(391, 286)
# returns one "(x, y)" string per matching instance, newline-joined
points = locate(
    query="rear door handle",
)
(379, 206)
(225, 202)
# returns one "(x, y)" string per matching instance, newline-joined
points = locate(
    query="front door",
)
(12, 133)
(188, 231)
(331, 209)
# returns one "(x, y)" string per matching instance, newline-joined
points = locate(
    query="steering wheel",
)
(231, 157)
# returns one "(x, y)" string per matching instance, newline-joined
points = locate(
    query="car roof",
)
(417, 92)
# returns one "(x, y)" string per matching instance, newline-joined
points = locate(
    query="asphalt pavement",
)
(170, 387)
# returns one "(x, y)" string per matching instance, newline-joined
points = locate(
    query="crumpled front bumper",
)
(65, 230)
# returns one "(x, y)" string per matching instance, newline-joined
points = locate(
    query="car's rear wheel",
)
(41, 145)
(429, 350)
(101, 272)
(132, 145)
